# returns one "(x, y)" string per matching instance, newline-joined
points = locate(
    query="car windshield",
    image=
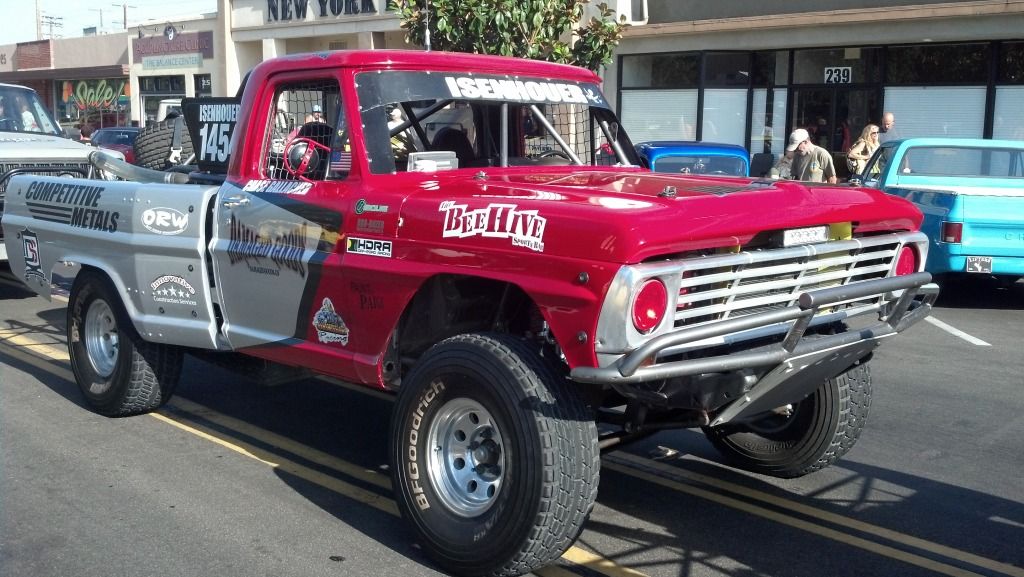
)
(21, 110)
(422, 121)
(713, 165)
(107, 137)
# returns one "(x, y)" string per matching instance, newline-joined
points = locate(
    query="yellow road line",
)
(17, 339)
(876, 530)
(783, 519)
(282, 442)
(598, 563)
(291, 467)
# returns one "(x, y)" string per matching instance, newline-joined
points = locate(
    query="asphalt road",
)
(236, 480)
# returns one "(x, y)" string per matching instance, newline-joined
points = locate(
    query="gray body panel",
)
(163, 277)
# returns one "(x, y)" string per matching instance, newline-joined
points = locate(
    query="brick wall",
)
(30, 55)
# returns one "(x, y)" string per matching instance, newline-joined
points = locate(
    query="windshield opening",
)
(416, 122)
(21, 110)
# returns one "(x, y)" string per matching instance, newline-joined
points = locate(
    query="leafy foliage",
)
(537, 29)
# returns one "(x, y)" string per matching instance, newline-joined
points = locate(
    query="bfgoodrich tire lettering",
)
(494, 456)
(820, 430)
(118, 373)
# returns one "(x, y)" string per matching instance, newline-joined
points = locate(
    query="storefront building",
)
(262, 29)
(81, 79)
(174, 60)
(747, 74)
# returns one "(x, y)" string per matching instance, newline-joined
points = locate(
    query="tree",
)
(537, 29)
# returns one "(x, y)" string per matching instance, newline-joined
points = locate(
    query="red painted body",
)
(597, 219)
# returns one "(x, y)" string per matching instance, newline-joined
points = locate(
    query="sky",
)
(19, 16)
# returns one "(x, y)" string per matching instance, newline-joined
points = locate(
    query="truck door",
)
(275, 233)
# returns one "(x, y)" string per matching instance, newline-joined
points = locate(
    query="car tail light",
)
(906, 262)
(649, 306)
(952, 232)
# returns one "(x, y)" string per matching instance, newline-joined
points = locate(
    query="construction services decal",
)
(524, 228)
(171, 289)
(77, 205)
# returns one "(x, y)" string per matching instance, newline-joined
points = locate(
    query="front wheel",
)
(808, 436)
(118, 373)
(494, 456)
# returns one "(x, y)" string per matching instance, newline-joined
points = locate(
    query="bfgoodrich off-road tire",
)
(820, 430)
(118, 373)
(494, 456)
(153, 145)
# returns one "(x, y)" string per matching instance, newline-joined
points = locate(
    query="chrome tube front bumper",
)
(641, 364)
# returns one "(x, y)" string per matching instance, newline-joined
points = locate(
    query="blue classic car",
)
(971, 192)
(686, 157)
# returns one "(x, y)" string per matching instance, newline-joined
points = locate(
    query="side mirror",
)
(855, 181)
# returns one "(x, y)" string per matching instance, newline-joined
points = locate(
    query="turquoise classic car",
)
(971, 192)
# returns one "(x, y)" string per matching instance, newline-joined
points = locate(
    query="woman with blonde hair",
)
(861, 151)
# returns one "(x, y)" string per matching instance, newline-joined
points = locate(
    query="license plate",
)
(979, 264)
(808, 235)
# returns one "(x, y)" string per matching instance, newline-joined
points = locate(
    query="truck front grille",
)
(728, 286)
(77, 169)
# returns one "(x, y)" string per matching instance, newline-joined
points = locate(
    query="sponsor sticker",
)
(524, 228)
(362, 206)
(172, 289)
(519, 90)
(370, 225)
(30, 250)
(165, 221)
(267, 253)
(369, 246)
(292, 187)
(75, 205)
(330, 328)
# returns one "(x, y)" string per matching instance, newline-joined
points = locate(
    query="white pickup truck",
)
(31, 142)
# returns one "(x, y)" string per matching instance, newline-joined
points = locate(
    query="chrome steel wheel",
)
(467, 464)
(101, 339)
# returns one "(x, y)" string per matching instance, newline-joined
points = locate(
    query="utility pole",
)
(39, 22)
(124, 12)
(52, 22)
(100, 10)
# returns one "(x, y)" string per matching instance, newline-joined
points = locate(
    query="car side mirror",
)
(855, 181)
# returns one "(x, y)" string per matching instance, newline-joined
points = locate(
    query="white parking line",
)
(957, 332)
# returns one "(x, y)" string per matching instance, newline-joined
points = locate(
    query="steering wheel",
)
(554, 152)
(302, 156)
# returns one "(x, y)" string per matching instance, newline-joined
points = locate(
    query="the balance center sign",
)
(176, 51)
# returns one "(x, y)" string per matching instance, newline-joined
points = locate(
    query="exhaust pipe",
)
(122, 169)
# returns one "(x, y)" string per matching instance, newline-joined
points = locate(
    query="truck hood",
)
(34, 146)
(628, 215)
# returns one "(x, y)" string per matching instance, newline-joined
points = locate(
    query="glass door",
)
(834, 116)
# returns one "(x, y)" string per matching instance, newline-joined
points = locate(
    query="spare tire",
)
(153, 145)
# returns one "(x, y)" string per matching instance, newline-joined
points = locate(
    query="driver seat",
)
(454, 140)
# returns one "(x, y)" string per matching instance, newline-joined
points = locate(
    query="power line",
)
(52, 22)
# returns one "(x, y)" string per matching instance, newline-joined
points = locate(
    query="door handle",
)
(235, 201)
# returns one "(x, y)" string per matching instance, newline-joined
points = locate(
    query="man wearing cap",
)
(810, 162)
(317, 115)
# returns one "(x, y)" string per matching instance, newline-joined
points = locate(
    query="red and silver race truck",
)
(475, 234)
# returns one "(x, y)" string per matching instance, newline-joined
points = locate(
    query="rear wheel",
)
(118, 373)
(806, 437)
(494, 456)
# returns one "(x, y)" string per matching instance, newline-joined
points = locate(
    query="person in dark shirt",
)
(6, 122)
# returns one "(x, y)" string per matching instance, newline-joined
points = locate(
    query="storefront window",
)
(938, 64)
(1011, 63)
(727, 69)
(725, 116)
(957, 111)
(661, 70)
(771, 68)
(1009, 115)
(660, 114)
(836, 66)
(768, 121)
(102, 102)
